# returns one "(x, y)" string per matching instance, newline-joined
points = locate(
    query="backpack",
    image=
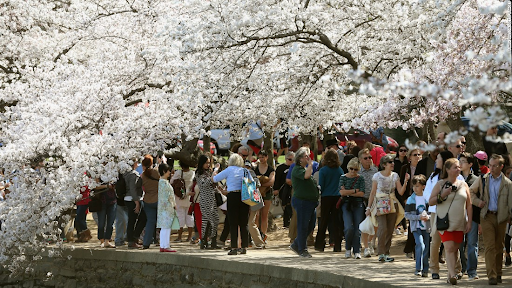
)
(121, 187)
(178, 185)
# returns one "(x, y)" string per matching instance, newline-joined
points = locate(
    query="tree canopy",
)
(86, 85)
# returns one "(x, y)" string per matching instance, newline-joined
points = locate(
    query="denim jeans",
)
(151, 211)
(353, 215)
(306, 218)
(80, 219)
(106, 218)
(472, 250)
(422, 250)
(121, 222)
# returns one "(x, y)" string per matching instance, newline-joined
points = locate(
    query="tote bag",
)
(175, 225)
(249, 190)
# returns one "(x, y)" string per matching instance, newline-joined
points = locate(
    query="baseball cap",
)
(481, 155)
(248, 163)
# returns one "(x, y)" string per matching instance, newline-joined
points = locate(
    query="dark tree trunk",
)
(207, 141)
(189, 153)
(268, 146)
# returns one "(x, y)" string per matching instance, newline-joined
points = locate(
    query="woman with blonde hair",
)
(351, 188)
(384, 206)
(453, 200)
(238, 212)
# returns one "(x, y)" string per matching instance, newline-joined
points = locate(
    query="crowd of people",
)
(442, 199)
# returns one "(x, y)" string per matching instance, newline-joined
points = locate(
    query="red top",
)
(85, 191)
(377, 153)
(484, 169)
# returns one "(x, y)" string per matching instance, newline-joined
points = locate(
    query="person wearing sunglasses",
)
(376, 151)
(367, 170)
(401, 158)
(414, 157)
(456, 148)
(384, 183)
(351, 188)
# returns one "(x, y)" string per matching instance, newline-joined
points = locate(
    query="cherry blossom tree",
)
(86, 85)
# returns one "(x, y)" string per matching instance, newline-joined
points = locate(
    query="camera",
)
(448, 184)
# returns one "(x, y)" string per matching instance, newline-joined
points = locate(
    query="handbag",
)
(442, 224)
(384, 204)
(175, 225)
(285, 194)
(178, 185)
(249, 195)
(218, 199)
(95, 204)
(342, 200)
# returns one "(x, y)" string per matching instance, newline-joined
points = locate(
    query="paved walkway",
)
(325, 268)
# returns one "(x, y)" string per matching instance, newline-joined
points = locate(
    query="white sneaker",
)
(357, 256)
(372, 251)
(367, 253)
(348, 254)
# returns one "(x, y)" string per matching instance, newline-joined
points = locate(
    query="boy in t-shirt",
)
(416, 209)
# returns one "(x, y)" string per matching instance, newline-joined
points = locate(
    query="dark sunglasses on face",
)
(366, 158)
(353, 169)
(416, 155)
(403, 150)
(244, 155)
(289, 159)
(391, 162)
(458, 146)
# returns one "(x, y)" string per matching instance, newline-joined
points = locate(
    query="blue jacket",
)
(413, 215)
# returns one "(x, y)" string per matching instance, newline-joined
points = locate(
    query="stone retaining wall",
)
(93, 268)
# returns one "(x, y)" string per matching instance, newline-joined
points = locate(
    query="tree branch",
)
(150, 85)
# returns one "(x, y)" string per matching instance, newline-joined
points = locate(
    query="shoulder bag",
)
(443, 223)
(178, 185)
(383, 202)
